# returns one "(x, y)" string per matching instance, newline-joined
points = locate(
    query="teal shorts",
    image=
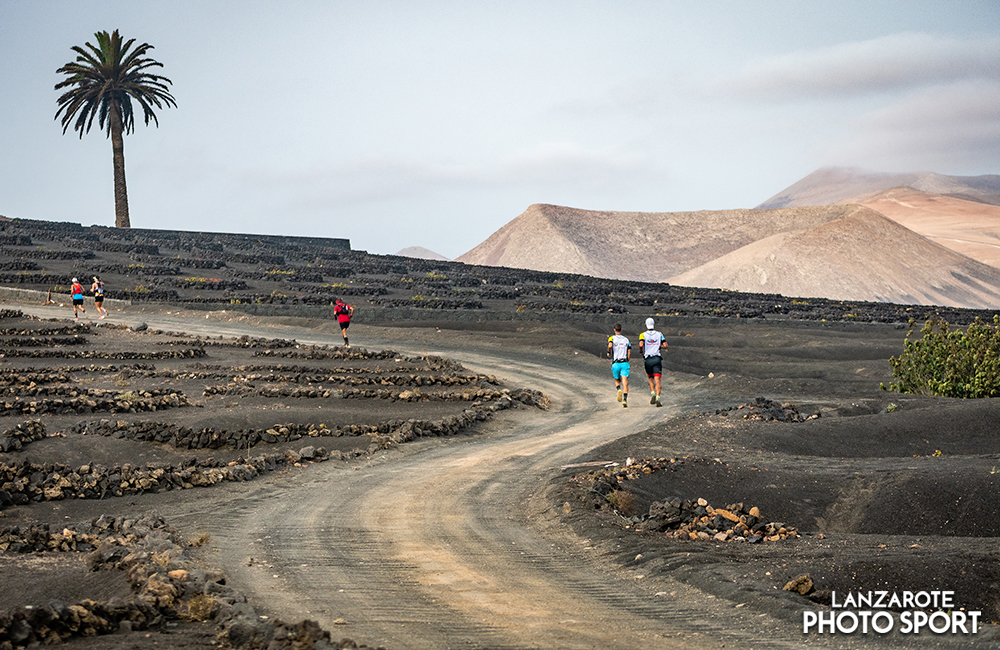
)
(619, 369)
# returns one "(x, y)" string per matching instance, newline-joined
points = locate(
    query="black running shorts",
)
(654, 366)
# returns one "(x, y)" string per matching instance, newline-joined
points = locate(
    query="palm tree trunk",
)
(118, 154)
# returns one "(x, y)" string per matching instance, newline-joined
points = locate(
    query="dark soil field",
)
(186, 399)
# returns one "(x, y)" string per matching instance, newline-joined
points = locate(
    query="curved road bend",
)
(451, 544)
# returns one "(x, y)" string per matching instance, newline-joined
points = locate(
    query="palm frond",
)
(106, 77)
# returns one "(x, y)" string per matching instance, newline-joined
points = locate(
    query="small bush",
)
(201, 607)
(199, 540)
(949, 363)
(624, 502)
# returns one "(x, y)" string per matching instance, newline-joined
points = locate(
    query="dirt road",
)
(454, 543)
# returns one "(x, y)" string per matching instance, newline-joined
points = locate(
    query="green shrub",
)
(949, 363)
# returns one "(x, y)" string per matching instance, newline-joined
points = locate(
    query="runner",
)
(620, 351)
(77, 292)
(650, 343)
(344, 313)
(98, 289)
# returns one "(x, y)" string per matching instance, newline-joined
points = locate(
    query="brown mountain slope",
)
(839, 184)
(862, 256)
(966, 227)
(647, 246)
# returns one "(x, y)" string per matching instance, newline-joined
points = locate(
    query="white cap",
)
(649, 323)
(74, 279)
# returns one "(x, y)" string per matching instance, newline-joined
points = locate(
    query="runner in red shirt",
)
(77, 292)
(344, 313)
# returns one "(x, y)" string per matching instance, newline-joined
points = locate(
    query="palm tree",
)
(102, 83)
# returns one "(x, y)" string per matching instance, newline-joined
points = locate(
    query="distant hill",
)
(843, 252)
(860, 256)
(966, 227)
(421, 253)
(837, 184)
(646, 246)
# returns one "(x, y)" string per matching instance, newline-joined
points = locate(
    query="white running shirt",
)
(651, 343)
(619, 347)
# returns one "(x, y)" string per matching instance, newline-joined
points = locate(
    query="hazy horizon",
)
(433, 124)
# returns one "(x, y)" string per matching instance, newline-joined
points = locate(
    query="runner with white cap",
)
(77, 292)
(650, 343)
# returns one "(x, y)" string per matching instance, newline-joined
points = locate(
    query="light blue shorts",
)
(619, 369)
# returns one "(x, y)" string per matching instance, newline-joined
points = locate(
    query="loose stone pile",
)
(67, 399)
(166, 583)
(44, 341)
(78, 328)
(196, 353)
(244, 384)
(769, 411)
(679, 518)
(245, 342)
(415, 395)
(182, 437)
(16, 438)
(31, 376)
(24, 482)
(302, 376)
(697, 520)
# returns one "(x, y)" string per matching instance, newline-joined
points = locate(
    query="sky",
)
(434, 123)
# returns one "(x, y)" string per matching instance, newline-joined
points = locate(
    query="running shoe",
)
(658, 402)
(652, 398)
(619, 394)
(624, 404)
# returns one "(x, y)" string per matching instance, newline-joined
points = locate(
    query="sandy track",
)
(452, 544)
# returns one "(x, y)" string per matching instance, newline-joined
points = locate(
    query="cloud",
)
(568, 164)
(950, 127)
(891, 63)
(377, 177)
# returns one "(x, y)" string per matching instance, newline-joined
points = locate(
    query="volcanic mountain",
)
(646, 246)
(845, 252)
(840, 184)
(861, 256)
(967, 227)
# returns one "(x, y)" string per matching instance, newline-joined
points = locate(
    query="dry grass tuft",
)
(624, 502)
(199, 540)
(200, 607)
